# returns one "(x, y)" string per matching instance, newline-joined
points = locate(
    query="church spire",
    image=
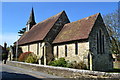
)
(31, 21)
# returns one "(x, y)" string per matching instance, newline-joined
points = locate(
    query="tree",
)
(112, 22)
(21, 32)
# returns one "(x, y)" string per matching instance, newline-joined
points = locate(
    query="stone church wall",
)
(42, 51)
(61, 51)
(83, 50)
(100, 61)
(51, 35)
(70, 51)
(82, 54)
(33, 48)
(24, 48)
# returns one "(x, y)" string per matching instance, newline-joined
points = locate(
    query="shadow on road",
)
(17, 76)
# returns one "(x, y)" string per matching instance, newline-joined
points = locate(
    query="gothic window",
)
(98, 50)
(103, 48)
(38, 49)
(76, 48)
(100, 42)
(100, 35)
(57, 51)
(65, 50)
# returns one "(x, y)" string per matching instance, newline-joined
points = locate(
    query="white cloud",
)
(9, 38)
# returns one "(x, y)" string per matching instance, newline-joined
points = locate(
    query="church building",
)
(84, 40)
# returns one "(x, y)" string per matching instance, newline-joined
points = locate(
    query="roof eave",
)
(30, 43)
(71, 41)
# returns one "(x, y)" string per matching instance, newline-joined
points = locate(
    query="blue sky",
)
(16, 14)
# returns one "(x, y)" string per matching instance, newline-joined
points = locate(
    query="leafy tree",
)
(21, 32)
(112, 22)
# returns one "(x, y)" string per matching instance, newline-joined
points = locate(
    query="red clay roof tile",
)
(39, 31)
(76, 30)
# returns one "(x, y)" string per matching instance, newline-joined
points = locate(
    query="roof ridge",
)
(49, 18)
(84, 18)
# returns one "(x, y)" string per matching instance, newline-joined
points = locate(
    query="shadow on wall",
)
(17, 76)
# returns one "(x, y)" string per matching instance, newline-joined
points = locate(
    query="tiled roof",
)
(39, 31)
(76, 30)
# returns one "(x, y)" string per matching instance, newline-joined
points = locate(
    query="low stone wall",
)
(65, 72)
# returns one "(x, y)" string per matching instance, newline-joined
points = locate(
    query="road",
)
(15, 73)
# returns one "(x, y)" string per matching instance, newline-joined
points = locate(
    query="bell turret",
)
(31, 21)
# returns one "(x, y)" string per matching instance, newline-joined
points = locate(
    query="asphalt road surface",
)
(15, 73)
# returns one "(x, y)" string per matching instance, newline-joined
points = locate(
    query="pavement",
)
(8, 72)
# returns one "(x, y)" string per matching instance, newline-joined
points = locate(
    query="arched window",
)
(76, 48)
(103, 48)
(38, 48)
(57, 51)
(100, 42)
(65, 50)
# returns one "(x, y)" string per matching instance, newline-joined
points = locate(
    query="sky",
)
(16, 14)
